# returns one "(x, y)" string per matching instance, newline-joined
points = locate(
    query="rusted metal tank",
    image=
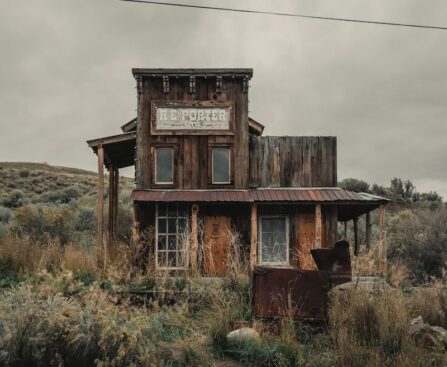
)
(301, 294)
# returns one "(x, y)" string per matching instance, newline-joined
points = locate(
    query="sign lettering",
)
(192, 118)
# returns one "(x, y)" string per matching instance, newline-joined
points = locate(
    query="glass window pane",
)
(221, 165)
(162, 210)
(172, 225)
(161, 225)
(181, 225)
(163, 164)
(161, 242)
(162, 259)
(274, 240)
(172, 210)
(172, 259)
(172, 242)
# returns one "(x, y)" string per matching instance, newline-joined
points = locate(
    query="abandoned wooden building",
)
(205, 177)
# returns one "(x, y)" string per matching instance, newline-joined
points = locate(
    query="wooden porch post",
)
(382, 244)
(135, 239)
(100, 205)
(346, 230)
(111, 205)
(194, 236)
(318, 226)
(356, 236)
(115, 200)
(253, 236)
(368, 231)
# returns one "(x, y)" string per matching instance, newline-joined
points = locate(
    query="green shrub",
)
(39, 222)
(14, 199)
(6, 214)
(62, 196)
(85, 220)
(24, 173)
(190, 357)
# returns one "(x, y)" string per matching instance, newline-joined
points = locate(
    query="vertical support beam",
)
(100, 205)
(253, 236)
(382, 244)
(368, 231)
(111, 205)
(135, 242)
(116, 203)
(318, 226)
(346, 230)
(356, 236)
(194, 237)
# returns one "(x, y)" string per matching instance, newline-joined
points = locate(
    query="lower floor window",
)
(171, 236)
(274, 244)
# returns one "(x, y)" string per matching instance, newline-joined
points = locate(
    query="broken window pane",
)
(221, 165)
(164, 165)
(274, 246)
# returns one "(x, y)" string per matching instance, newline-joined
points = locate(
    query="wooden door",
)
(216, 240)
(306, 240)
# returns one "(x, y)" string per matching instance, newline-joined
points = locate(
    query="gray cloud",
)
(65, 76)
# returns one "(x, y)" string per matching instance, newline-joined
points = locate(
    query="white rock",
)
(245, 333)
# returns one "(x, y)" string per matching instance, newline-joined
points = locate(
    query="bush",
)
(41, 222)
(6, 215)
(85, 220)
(14, 199)
(62, 196)
(419, 240)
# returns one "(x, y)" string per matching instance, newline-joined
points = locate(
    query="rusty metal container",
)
(301, 294)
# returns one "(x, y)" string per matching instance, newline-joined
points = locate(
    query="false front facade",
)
(209, 187)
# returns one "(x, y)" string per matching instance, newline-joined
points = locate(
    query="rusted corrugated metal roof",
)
(315, 194)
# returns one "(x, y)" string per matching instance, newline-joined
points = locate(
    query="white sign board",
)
(192, 118)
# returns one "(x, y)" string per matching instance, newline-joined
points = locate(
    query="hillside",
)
(41, 183)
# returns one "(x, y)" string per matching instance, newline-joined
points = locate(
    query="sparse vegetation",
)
(58, 307)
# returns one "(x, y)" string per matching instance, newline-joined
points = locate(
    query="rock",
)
(245, 333)
(426, 335)
(368, 284)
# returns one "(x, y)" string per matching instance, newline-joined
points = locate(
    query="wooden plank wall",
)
(192, 161)
(289, 161)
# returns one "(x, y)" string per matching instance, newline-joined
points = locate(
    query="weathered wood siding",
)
(288, 161)
(191, 168)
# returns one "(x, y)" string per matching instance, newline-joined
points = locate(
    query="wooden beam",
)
(356, 236)
(346, 230)
(368, 231)
(135, 241)
(111, 213)
(318, 226)
(100, 205)
(253, 236)
(382, 244)
(116, 200)
(194, 236)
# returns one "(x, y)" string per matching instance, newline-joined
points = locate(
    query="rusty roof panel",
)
(322, 195)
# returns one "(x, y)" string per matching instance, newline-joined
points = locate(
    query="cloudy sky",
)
(65, 76)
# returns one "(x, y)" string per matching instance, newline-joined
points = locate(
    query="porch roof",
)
(350, 204)
(119, 150)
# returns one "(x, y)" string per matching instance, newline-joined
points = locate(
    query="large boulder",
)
(426, 335)
(243, 334)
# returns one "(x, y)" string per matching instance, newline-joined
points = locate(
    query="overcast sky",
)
(65, 76)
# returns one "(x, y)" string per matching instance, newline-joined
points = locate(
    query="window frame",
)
(154, 181)
(274, 263)
(167, 234)
(211, 165)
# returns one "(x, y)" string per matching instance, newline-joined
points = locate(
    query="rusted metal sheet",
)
(304, 195)
(301, 294)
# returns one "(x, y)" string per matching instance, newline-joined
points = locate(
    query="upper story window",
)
(164, 165)
(221, 165)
